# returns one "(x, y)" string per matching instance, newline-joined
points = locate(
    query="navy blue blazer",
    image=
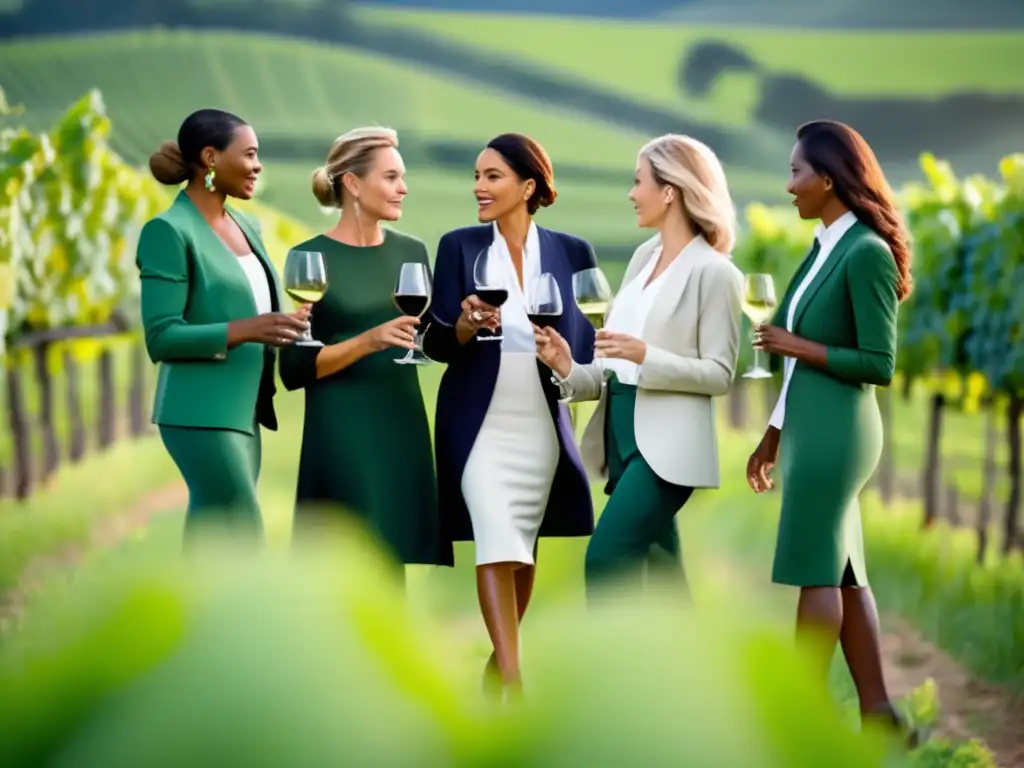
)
(468, 382)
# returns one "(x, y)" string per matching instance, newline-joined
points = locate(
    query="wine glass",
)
(758, 305)
(593, 294)
(305, 281)
(413, 290)
(545, 305)
(489, 287)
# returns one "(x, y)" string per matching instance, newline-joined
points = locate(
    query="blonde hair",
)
(352, 152)
(694, 171)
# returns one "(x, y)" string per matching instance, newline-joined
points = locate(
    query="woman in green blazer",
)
(836, 329)
(210, 310)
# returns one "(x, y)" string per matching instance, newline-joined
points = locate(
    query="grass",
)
(727, 537)
(641, 59)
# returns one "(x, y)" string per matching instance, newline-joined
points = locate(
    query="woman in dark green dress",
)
(836, 329)
(366, 447)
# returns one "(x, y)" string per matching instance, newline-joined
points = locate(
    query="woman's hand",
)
(621, 346)
(776, 340)
(553, 350)
(400, 332)
(762, 460)
(276, 329)
(476, 315)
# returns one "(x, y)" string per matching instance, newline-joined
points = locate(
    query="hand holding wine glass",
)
(759, 305)
(553, 350)
(305, 281)
(412, 294)
(593, 294)
(489, 289)
(545, 301)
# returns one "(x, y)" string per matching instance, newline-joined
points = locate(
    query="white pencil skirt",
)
(508, 476)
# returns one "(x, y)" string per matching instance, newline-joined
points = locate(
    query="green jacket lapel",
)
(779, 319)
(848, 239)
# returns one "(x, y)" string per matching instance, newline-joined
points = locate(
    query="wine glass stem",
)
(758, 360)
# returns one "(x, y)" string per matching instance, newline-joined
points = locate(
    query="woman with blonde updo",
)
(211, 312)
(366, 441)
(669, 345)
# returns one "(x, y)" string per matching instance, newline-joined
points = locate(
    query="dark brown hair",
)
(836, 150)
(178, 161)
(528, 160)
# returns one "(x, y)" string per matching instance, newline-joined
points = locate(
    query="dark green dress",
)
(366, 445)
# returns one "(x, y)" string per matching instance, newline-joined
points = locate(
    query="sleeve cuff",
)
(204, 341)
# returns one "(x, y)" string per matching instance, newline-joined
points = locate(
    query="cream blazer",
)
(692, 335)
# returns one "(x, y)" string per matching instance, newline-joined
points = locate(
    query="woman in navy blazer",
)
(508, 466)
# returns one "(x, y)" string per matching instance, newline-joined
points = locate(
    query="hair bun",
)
(167, 165)
(323, 188)
(546, 196)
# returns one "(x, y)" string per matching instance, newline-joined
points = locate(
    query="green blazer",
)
(192, 287)
(850, 307)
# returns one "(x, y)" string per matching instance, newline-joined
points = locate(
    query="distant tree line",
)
(322, 19)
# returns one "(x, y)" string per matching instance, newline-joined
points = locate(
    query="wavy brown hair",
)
(836, 150)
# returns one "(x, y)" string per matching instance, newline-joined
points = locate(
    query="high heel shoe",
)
(889, 717)
(490, 682)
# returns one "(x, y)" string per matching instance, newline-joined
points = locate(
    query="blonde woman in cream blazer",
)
(669, 345)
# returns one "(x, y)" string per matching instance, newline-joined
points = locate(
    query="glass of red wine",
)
(489, 287)
(545, 301)
(412, 297)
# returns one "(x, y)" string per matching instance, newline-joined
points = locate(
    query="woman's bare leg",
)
(523, 580)
(496, 589)
(819, 621)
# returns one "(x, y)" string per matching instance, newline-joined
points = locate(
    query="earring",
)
(356, 204)
(208, 179)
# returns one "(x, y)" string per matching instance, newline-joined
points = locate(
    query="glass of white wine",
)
(305, 281)
(759, 306)
(593, 294)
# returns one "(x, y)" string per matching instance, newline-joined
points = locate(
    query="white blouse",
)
(257, 276)
(629, 314)
(827, 238)
(516, 328)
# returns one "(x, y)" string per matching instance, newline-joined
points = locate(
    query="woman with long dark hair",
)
(836, 330)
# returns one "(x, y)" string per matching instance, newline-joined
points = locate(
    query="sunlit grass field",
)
(302, 91)
(640, 59)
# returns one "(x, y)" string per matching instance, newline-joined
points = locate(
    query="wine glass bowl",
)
(305, 282)
(412, 295)
(593, 294)
(545, 301)
(488, 287)
(759, 305)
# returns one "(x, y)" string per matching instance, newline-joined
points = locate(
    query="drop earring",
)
(208, 180)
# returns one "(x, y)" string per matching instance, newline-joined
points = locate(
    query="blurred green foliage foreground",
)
(276, 661)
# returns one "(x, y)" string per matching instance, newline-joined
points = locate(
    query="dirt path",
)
(967, 708)
(107, 533)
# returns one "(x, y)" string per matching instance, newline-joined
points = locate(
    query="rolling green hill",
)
(641, 58)
(300, 95)
(855, 14)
